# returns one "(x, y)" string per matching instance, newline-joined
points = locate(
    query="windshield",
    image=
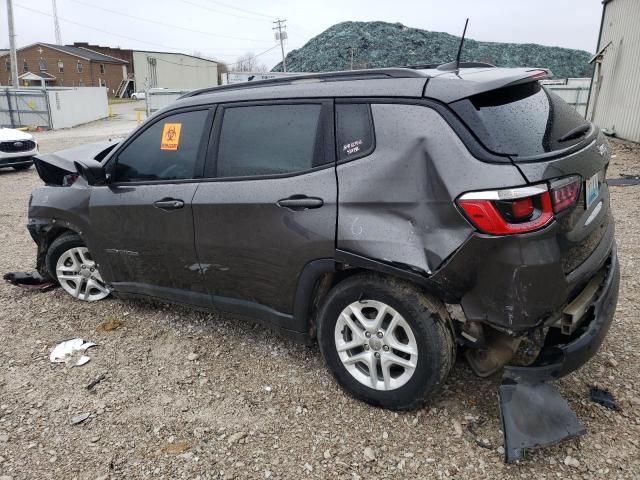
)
(522, 120)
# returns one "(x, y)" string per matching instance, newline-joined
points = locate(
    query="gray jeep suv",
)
(395, 215)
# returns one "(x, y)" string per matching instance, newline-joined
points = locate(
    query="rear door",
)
(143, 218)
(267, 206)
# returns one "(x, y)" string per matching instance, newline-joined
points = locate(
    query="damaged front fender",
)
(44, 232)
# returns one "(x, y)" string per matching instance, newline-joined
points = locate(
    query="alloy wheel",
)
(78, 275)
(376, 345)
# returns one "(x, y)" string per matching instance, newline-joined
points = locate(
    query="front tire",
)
(69, 261)
(386, 342)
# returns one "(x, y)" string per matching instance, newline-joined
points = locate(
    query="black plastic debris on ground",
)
(533, 412)
(604, 397)
(29, 281)
(624, 181)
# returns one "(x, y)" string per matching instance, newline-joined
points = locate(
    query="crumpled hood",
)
(52, 167)
(10, 134)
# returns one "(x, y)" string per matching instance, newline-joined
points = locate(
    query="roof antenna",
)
(455, 65)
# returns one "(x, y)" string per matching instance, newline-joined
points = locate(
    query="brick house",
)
(66, 66)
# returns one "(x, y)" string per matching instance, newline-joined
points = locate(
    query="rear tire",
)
(386, 342)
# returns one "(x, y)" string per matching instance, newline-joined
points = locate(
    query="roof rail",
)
(436, 66)
(372, 73)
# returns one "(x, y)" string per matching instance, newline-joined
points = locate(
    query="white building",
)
(152, 69)
(172, 70)
(614, 101)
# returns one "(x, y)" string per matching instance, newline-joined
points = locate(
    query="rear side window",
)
(270, 140)
(167, 150)
(354, 130)
(521, 120)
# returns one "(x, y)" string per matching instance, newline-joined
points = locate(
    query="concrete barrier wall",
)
(73, 106)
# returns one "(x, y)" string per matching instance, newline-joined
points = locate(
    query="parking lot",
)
(187, 394)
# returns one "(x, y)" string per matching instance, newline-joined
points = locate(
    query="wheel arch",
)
(44, 233)
(319, 276)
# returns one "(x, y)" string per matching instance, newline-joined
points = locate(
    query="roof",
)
(83, 53)
(442, 85)
(176, 53)
(93, 48)
(36, 76)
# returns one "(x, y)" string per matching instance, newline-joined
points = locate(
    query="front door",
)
(268, 204)
(143, 220)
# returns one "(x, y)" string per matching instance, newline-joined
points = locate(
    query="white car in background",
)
(17, 149)
(137, 95)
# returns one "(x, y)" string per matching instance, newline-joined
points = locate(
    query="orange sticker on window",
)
(170, 136)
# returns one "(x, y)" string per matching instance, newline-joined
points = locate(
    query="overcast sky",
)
(226, 29)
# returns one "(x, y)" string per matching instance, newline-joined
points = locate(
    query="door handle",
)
(300, 202)
(169, 204)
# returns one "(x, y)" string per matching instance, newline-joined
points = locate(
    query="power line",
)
(166, 47)
(223, 12)
(201, 32)
(243, 10)
(251, 58)
(96, 29)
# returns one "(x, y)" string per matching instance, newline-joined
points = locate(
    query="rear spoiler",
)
(451, 86)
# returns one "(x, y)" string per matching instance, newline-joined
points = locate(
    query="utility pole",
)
(12, 45)
(281, 35)
(352, 50)
(56, 23)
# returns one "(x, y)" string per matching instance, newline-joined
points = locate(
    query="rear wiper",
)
(575, 132)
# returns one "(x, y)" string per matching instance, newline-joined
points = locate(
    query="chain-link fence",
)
(24, 108)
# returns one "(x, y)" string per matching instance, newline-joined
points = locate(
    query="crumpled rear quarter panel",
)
(397, 205)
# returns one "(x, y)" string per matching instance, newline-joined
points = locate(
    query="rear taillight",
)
(508, 211)
(565, 192)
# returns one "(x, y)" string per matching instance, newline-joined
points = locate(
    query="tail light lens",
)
(565, 192)
(509, 211)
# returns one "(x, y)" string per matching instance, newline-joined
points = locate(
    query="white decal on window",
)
(352, 147)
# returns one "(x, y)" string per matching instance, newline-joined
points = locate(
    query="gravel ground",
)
(196, 395)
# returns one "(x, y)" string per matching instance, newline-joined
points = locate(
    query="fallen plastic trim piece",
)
(29, 281)
(71, 352)
(534, 415)
(604, 397)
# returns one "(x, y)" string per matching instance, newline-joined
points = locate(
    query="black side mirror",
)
(92, 171)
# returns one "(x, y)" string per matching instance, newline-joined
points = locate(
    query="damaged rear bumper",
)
(534, 414)
(557, 360)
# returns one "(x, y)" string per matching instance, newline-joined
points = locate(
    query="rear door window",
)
(269, 140)
(167, 150)
(354, 130)
(522, 120)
